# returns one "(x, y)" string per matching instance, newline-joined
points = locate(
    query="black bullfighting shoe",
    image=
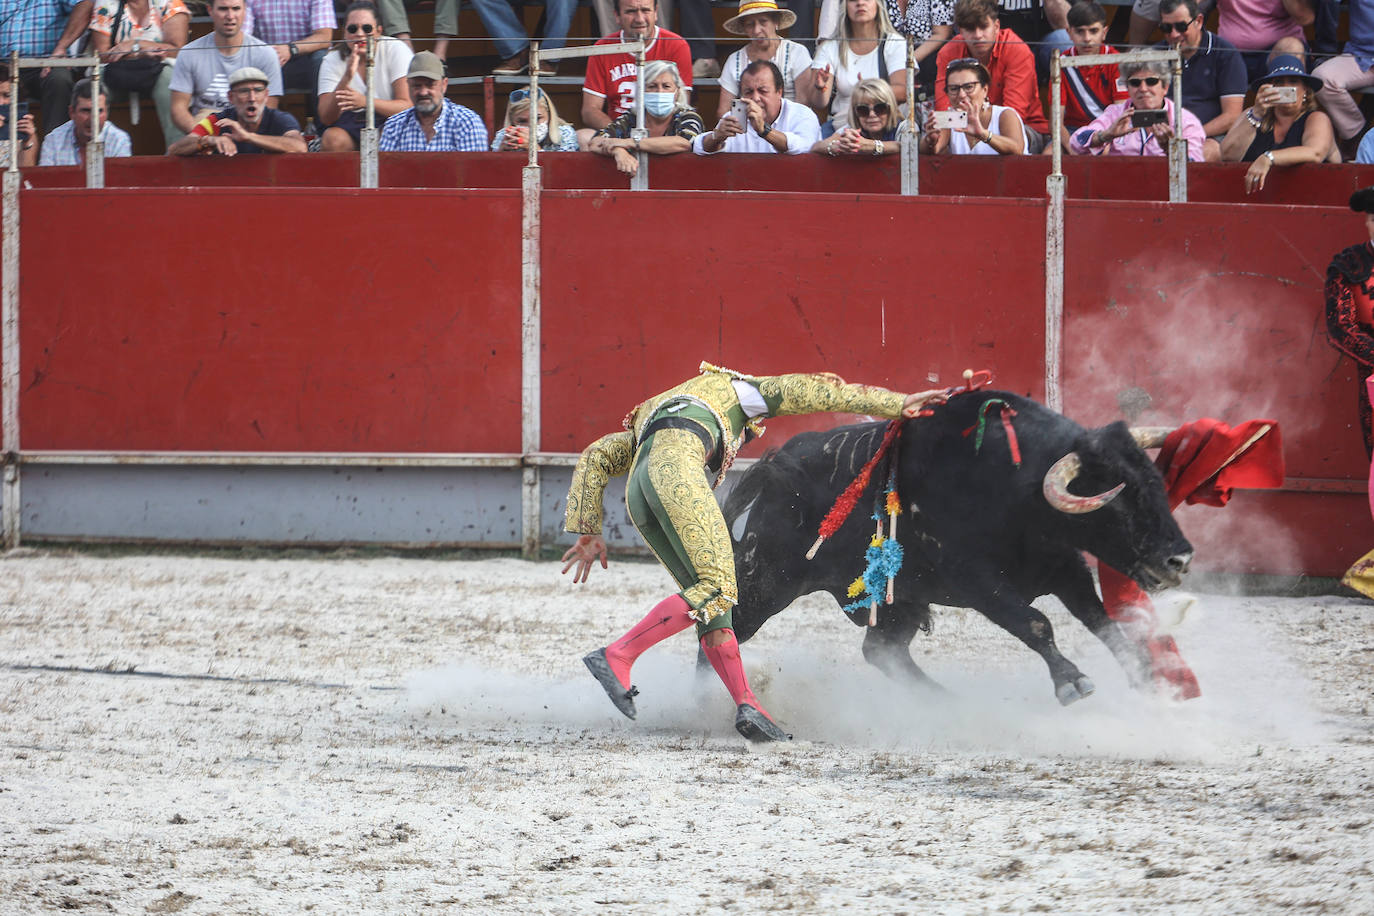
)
(754, 724)
(623, 699)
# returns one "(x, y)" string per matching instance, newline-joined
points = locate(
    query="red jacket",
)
(1012, 69)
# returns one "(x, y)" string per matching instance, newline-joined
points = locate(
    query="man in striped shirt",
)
(434, 125)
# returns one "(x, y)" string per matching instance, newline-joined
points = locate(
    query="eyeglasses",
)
(1179, 27)
(962, 88)
(1150, 81)
(365, 28)
(879, 108)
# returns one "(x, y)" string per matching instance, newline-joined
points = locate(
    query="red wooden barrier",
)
(271, 320)
(333, 319)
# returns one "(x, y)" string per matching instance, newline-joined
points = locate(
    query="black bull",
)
(976, 530)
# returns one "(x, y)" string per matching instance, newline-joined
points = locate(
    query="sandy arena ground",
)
(217, 735)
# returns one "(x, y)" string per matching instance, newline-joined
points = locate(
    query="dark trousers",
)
(804, 30)
(697, 26)
(302, 74)
(53, 92)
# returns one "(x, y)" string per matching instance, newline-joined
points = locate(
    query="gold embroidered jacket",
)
(613, 454)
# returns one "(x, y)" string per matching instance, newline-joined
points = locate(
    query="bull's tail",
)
(778, 474)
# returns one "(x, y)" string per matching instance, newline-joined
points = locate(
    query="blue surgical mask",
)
(659, 104)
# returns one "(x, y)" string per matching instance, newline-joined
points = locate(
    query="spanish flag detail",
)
(207, 126)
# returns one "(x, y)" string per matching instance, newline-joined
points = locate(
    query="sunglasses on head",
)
(878, 108)
(1137, 82)
(519, 95)
(1179, 27)
(963, 62)
(365, 28)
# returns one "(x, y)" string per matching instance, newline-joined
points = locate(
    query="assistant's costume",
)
(670, 444)
(1350, 327)
(1349, 293)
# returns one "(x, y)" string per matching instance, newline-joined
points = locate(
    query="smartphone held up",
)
(1149, 117)
(951, 120)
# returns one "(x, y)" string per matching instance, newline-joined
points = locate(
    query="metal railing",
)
(1056, 191)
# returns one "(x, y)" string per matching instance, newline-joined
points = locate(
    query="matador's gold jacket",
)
(613, 454)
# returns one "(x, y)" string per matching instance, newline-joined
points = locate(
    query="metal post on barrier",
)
(639, 181)
(1054, 248)
(367, 144)
(531, 187)
(1178, 147)
(9, 347)
(95, 150)
(909, 143)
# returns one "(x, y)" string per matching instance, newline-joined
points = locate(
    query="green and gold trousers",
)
(671, 504)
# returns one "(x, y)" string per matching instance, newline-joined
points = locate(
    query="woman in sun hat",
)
(760, 21)
(1279, 133)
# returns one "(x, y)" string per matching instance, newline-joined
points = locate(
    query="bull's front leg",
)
(1014, 614)
(1076, 591)
(887, 646)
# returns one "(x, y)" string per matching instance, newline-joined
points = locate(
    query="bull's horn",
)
(1150, 436)
(1056, 488)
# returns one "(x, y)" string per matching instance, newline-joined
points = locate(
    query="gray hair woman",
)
(671, 122)
(1142, 125)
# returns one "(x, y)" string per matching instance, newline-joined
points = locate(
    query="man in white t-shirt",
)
(775, 124)
(200, 77)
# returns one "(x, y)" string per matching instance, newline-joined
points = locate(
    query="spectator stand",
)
(1056, 187)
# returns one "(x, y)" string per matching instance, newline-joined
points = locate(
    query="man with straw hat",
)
(760, 21)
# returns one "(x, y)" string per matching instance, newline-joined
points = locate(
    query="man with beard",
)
(434, 124)
(247, 126)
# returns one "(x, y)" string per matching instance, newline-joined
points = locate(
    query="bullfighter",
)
(667, 442)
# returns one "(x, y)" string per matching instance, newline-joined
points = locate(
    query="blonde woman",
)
(864, 46)
(1275, 132)
(874, 124)
(552, 133)
(993, 130)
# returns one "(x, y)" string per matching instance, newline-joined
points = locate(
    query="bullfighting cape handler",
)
(676, 448)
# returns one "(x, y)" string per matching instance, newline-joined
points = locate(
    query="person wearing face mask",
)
(672, 124)
(552, 133)
(760, 21)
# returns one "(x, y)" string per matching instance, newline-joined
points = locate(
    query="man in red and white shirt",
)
(609, 90)
(1087, 91)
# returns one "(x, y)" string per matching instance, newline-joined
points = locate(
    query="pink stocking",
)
(669, 616)
(725, 659)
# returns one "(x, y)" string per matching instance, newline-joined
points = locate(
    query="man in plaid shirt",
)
(434, 125)
(44, 28)
(300, 32)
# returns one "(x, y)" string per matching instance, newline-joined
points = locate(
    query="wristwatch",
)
(1269, 154)
(767, 129)
(291, 46)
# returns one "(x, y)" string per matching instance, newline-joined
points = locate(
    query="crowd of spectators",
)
(979, 75)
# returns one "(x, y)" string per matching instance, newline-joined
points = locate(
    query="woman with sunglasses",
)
(874, 123)
(863, 46)
(343, 79)
(1277, 132)
(1144, 123)
(552, 133)
(671, 122)
(992, 130)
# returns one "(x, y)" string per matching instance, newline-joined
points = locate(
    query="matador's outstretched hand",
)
(583, 554)
(914, 403)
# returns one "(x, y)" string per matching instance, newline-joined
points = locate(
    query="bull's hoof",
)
(1071, 692)
(755, 725)
(623, 699)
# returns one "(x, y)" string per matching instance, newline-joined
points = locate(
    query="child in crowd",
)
(1087, 91)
